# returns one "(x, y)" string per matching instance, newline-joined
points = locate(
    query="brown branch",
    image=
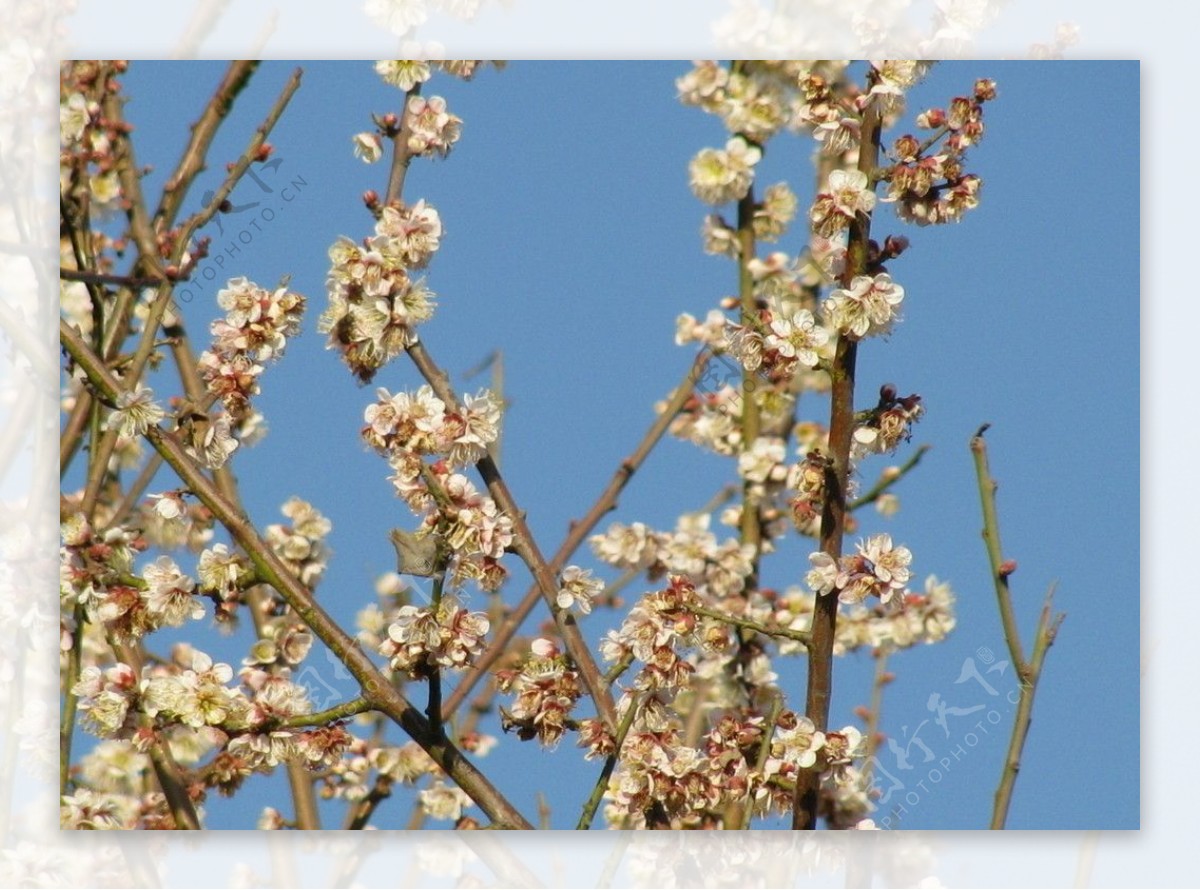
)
(89, 277)
(400, 154)
(837, 474)
(204, 130)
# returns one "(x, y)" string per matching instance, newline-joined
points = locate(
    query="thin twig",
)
(593, 801)
(888, 479)
(344, 711)
(800, 636)
(1028, 672)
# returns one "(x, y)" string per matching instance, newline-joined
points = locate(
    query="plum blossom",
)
(136, 412)
(847, 194)
(720, 175)
(867, 308)
(578, 589)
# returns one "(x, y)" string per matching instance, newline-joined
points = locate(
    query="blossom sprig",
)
(692, 551)
(867, 308)
(374, 303)
(255, 330)
(779, 345)
(432, 130)
(475, 532)
(447, 636)
(420, 423)
(915, 619)
(878, 569)
(927, 181)
(374, 306)
(545, 690)
(301, 545)
(88, 140)
(97, 573)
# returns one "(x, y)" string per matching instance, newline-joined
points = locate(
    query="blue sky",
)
(572, 244)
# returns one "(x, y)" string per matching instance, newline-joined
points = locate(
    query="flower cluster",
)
(408, 236)
(544, 691)
(431, 128)
(107, 700)
(447, 636)
(889, 80)
(97, 573)
(691, 551)
(846, 194)
(757, 98)
(87, 140)
(930, 188)
(374, 304)
(778, 344)
(195, 696)
(877, 569)
(301, 545)
(466, 521)
(655, 629)
(867, 308)
(421, 424)
(254, 330)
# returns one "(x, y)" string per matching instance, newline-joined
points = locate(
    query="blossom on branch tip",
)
(432, 129)
(403, 74)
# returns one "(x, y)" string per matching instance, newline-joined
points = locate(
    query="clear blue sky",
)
(572, 244)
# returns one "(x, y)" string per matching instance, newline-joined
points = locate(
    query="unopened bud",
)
(932, 118)
(264, 151)
(1007, 567)
(894, 245)
(985, 89)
